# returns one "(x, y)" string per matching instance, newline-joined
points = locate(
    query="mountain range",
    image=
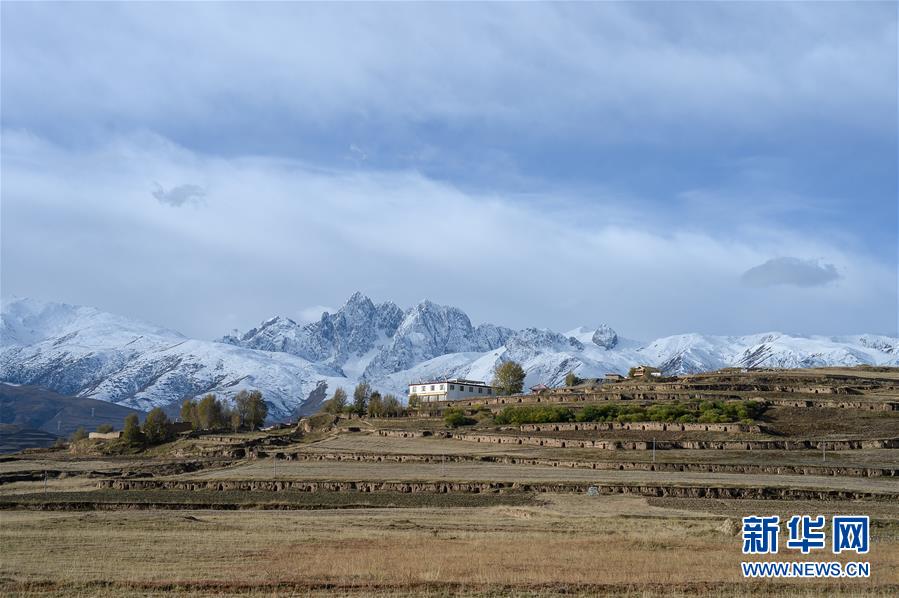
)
(85, 352)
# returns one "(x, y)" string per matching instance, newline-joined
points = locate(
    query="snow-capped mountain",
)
(86, 352)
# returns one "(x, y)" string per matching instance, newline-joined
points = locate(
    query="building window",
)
(452, 387)
(480, 390)
(442, 387)
(489, 391)
(432, 387)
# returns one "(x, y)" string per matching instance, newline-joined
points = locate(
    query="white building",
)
(449, 390)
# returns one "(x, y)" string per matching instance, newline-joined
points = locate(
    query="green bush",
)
(685, 413)
(79, 434)
(456, 417)
(533, 414)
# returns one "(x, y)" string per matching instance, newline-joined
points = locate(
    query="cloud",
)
(77, 228)
(790, 271)
(180, 195)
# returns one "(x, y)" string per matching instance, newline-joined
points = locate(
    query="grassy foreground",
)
(577, 544)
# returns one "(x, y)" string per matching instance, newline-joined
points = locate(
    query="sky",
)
(721, 168)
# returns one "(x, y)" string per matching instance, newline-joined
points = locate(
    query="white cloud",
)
(80, 227)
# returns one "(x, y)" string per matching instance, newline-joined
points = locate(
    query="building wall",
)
(448, 391)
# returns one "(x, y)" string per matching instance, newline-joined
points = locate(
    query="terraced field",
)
(407, 506)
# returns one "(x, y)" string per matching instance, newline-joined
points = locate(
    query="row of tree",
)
(209, 413)
(365, 402)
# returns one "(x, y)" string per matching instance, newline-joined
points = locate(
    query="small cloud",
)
(357, 153)
(180, 195)
(790, 270)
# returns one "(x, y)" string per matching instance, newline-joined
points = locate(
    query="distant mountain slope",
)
(37, 408)
(85, 352)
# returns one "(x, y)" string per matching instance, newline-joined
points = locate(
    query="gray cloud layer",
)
(791, 271)
(180, 195)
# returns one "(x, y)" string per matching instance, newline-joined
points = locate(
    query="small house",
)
(645, 371)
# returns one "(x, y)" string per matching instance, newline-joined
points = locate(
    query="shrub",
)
(533, 414)
(105, 428)
(572, 379)
(79, 434)
(456, 417)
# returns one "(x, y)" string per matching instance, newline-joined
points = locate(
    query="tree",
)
(234, 418)
(190, 413)
(131, 430)
(104, 428)
(157, 427)
(251, 409)
(79, 434)
(375, 405)
(360, 398)
(210, 413)
(572, 379)
(414, 401)
(508, 378)
(336, 403)
(392, 406)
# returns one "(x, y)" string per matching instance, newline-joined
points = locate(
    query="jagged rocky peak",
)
(355, 328)
(430, 330)
(530, 342)
(605, 337)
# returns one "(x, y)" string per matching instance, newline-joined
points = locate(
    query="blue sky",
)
(713, 167)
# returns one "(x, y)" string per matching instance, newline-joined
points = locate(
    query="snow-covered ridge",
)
(83, 351)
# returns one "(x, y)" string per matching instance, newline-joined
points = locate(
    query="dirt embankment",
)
(442, 487)
(640, 445)
(868, 472)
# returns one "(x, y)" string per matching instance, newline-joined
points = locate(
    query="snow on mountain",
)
(429, 330)
(86, 352)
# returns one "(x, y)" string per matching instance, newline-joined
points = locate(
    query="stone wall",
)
(434, 487)
(732, 428)
(817, 470)
(638, 445)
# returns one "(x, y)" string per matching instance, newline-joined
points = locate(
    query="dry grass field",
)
(581, 544)
(306, 514)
